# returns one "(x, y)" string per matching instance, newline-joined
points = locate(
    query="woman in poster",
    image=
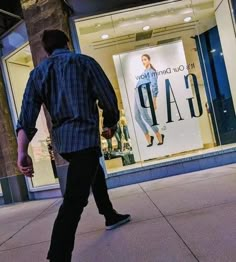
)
(142, 114)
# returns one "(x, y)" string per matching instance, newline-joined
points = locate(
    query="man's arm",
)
(105, 94)
(26, 130)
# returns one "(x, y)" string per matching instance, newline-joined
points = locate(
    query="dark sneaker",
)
(117, 220)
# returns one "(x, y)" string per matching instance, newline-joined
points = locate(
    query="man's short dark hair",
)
(54, 39)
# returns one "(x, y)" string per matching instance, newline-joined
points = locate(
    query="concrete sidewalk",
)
(185, 218)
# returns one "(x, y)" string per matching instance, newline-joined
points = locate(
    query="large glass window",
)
(167, 67)
(18, 67)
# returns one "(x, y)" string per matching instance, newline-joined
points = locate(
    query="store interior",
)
(104, 36)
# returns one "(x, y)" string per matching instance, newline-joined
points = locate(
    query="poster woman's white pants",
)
(143, 115)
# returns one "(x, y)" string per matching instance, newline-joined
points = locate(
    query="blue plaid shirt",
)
(70, 85)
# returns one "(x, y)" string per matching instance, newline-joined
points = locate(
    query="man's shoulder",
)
(39, 71)
(41, 66)
(81, 58)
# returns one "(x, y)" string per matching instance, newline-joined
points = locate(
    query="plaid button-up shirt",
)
(69, 85)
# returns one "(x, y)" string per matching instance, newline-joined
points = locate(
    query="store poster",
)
(172, 116)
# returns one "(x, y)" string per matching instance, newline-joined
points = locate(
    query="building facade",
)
(171, 64)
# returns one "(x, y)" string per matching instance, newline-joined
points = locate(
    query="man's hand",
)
(25, 164)
(24, 161)
(108, 132)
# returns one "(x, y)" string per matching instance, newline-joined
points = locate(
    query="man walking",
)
(70, 86)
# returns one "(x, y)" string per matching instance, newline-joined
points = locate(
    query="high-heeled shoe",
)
(151, 144)
(163, 137)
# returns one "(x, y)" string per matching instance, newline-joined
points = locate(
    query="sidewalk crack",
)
(168, 222)
(28, 223)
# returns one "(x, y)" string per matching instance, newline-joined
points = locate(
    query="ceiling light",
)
(146, 28)
(213, 50)
(105, 36)
(187, 19)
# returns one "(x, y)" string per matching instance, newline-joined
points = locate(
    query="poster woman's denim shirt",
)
(149, 76)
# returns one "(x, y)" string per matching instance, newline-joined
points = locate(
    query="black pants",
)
(84, 172)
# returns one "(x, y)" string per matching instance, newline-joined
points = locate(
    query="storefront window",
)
(167, 67)
(18, 67)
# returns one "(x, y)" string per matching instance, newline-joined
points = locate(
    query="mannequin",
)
(125, 131)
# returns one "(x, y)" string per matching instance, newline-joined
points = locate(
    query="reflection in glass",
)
(19, 66)
(14, 39)
(224, 123)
